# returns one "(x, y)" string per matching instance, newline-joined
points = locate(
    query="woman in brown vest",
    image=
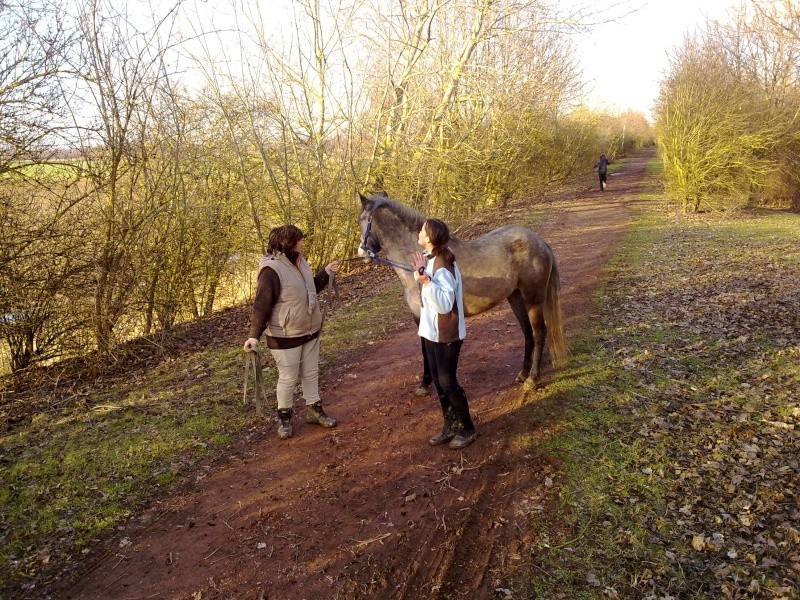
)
(286, 307)
(443, 329)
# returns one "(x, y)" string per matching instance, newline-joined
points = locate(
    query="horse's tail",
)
(553, 319)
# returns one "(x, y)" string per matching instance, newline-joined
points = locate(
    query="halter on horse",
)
(373, 254)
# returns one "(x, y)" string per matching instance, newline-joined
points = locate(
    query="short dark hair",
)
(284, 238)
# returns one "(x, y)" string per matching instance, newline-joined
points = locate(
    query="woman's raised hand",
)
(419, 263)
(418, 260)
(332, 268)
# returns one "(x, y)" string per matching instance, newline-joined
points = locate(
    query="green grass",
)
(693, 357)
(62, 169)
(72, 475)
(655, 166)
(617, 165)
(363, 322)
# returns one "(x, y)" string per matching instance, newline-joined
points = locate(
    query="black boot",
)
(449, 428)
(284, 423)
(315, 414)
(466, 433)
(463, 439)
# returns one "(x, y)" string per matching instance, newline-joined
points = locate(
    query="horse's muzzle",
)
(367, 255)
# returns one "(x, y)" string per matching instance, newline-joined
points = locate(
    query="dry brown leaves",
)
(709, 326)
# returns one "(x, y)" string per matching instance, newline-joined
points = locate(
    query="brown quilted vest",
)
(297, 311)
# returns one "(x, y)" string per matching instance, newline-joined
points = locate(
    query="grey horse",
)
(510, 263)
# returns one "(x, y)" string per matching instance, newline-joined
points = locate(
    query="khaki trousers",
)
(302, 362)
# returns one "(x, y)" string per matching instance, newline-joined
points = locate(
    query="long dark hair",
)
(439, 235)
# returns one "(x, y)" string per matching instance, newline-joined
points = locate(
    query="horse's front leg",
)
(423, 390)
(415, 305)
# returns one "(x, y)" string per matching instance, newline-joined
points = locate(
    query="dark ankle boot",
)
(315, 415)
(284, 423)
(466, 432)
(463, 439)
(448, 429)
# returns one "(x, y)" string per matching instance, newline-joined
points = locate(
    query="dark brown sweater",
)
(268, 290)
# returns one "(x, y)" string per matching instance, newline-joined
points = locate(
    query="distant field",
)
(57, 169)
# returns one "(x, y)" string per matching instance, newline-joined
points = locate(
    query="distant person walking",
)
(602, 170)
(286, 307)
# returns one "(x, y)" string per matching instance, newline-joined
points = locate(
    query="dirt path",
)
(369, 509)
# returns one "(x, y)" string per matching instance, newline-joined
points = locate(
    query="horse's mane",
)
(408, 215)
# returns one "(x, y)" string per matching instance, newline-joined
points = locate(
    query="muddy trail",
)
(369, 509)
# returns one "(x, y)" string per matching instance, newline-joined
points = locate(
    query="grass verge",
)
(681, 439)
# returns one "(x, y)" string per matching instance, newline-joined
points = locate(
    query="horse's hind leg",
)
(536, 316)
(521, 313)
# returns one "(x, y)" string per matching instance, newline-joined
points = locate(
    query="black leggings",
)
(443, 360)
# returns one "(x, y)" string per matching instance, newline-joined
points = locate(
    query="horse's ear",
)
(365, 202)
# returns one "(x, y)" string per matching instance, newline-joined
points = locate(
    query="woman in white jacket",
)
(442, 327)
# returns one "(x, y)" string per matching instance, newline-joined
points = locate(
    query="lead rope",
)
(335, 287)
(252, 360)
(389, 263)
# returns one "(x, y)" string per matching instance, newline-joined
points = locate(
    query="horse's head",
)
(388, 226)
(370, 245)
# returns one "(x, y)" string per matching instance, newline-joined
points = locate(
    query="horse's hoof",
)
(422, 390)
(529, 385)
(522, 377)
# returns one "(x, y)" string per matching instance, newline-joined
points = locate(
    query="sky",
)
(624, 61)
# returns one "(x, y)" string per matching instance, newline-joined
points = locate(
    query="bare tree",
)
(415, 24)
(36, 196)
(42, 268)
(33, 43)
(203, 220)
(120, 67)
(783, 16)
(776, 29)
(441, 136)
(289, 119)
